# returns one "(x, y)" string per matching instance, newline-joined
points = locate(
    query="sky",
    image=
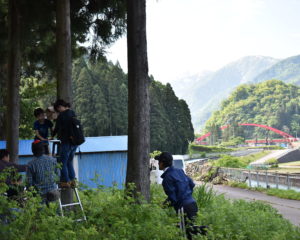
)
(187, 37)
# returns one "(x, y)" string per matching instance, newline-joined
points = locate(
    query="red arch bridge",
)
(286, 137)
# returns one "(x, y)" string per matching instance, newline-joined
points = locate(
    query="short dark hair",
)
(166, 158)
(38, 148)
(38, 111)
(3, 153)
(60, 102)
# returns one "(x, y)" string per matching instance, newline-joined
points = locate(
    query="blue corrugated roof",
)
(92, 144)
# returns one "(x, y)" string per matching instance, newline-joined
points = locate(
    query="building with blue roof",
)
(102, 160)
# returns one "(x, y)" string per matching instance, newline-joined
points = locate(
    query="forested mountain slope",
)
(287, 70)
(272, 103)
(210, 89)
(100, 99)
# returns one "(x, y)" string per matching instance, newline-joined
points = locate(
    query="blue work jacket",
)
(178, 187)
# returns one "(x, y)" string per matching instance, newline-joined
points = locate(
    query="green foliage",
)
(100, 24)
(240, 219)
(114, 215)
(100, 100)
(273, 162)
(33, 94)
(229, 161)
(194, 148)
(154, 153)
(111, 215)
(170, 120)
(239, 162)
(287, 194)
(233, 141)
(281, 193)
(238, 184)
(204, 196)
(268, 147)
(271, 103)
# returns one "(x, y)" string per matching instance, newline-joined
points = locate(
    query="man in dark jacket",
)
(67, 149)
(179, 189)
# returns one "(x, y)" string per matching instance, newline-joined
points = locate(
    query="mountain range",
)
(205, 92)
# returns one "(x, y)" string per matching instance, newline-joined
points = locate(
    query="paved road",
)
(290, 209)
(274, 154)
(246, 152)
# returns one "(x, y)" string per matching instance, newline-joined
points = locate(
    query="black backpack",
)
(77, 136)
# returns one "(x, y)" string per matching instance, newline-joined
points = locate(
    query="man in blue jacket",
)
(179, 189)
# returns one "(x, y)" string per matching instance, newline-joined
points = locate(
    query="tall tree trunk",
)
(138, 99)
(13, 83)
(64, 65)
(64, 59)
(3, 91)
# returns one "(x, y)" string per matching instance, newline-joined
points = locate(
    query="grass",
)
(271, 147)
(285, 170)
(253, 157)
(238, 162)
(289, 167)
(199, 149)
(113, 215)
(285, 194)
(241, 220)
(297, 163)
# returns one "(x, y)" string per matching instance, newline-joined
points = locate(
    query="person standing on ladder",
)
(63, 129)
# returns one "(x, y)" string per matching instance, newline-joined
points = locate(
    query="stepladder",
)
(72, 206)
(182, 222)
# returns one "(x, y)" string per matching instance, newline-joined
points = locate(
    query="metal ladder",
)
(182, 222)
(61, 206)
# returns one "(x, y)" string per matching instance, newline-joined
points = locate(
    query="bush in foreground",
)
(112, 215)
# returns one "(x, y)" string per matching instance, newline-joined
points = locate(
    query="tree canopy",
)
(100, 100)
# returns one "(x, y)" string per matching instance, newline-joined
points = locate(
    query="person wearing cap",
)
(179, 189)
(42, 172)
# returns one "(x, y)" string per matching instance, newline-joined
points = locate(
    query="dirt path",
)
(290, 209)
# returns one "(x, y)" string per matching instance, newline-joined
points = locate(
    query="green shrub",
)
(238, 184)
(229, 161)
(241, 220)
(272, 161)
(113, 215)
(233, 141)
(204, 195)
(194, 148)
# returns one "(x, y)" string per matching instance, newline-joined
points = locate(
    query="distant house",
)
(103, 159)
